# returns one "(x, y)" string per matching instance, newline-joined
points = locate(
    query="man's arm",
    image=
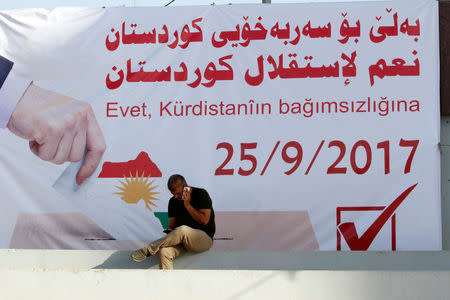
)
(59, 128)
(172, 222)
(201, 215)
(12, 87)
(5, 67)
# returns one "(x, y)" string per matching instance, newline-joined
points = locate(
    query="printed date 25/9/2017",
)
(294, 157)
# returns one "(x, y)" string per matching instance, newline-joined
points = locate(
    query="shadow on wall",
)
(122, 260)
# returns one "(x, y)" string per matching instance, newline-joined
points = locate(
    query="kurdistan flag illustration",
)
(127, 200)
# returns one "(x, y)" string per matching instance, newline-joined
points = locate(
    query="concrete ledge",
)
(109, 274)
(232, 285)
(239, 260)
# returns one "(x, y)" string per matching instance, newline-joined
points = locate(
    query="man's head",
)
(176, 183)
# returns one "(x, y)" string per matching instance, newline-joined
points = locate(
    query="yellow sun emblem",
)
(136, 188)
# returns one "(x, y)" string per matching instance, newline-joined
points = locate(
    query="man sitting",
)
(191, 224)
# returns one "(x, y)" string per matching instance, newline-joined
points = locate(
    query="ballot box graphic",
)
(269, 231)
(276, 231)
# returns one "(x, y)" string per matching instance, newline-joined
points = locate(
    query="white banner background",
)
(64, 50)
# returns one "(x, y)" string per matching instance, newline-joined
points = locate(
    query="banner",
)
(311, 126)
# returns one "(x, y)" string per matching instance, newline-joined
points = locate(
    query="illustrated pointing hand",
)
(59, 129)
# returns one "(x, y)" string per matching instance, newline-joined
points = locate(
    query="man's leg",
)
(167, 254)
(194, 240)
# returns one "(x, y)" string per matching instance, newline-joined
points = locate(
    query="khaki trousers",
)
(180, 240)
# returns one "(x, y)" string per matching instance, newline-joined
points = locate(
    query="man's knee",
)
(182, 230)
(166, 253)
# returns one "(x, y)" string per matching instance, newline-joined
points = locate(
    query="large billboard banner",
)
(311, 126)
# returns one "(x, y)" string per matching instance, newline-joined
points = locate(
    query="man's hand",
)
(59, 129)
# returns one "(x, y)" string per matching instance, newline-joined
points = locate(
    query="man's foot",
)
(140, 254)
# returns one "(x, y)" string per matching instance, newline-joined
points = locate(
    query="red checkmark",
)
(362, 243)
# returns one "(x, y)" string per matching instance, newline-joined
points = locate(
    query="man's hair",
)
(176, 181)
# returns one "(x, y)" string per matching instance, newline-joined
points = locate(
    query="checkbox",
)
(385, 239)
(364, 240)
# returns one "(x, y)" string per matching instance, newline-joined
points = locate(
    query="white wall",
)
(233, 285)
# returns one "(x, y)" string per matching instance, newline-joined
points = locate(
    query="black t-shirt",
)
(199, 200)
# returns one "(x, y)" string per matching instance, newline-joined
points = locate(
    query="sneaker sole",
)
(137, 259)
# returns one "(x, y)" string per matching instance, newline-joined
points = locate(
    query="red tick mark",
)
(362, 243)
